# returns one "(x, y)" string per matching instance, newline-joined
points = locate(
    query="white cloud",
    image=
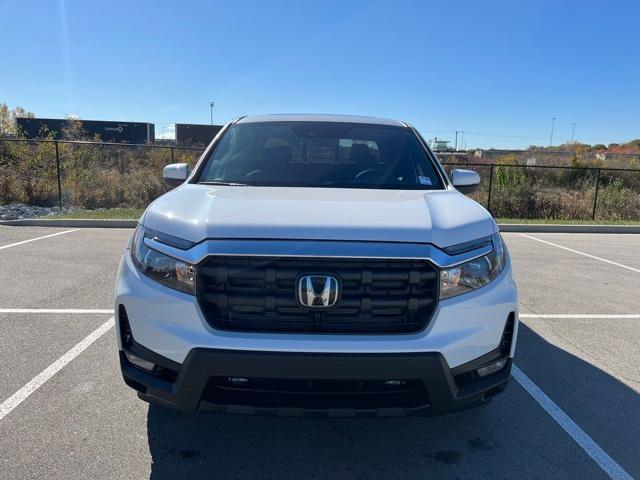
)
(166, 131)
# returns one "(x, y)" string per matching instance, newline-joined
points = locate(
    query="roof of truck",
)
(320, 118)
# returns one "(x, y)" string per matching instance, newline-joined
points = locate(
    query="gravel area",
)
(19, 211)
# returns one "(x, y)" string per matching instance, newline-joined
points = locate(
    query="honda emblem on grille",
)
(318, 291)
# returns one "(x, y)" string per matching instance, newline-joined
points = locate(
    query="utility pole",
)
(573, 131)
(553, 123)
(211, 106)
(456, 140)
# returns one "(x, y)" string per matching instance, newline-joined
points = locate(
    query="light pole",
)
(553, 123)
(573, 131)
(211, 106)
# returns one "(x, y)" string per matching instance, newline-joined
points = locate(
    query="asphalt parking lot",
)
(572, 410)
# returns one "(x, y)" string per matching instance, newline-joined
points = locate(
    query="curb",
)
(551, 228)
(504, 227)
(72, 223)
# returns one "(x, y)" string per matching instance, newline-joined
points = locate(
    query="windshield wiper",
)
(233, 184)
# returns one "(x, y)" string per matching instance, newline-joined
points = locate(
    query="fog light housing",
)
(140, 362)
(491, 367)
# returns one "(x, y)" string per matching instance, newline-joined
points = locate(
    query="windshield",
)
(320, 154)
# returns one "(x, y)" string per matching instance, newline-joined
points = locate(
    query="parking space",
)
(622, 249)
(553, 280)
(73, 270)
(30, 342)
(599, 301)
(84, 422)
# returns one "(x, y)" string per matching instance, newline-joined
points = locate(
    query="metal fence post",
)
(58, 175)
(490, 186)
(595, 197)
(172, 161)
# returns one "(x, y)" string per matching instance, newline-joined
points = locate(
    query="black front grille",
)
(258, 294)
(316, 394)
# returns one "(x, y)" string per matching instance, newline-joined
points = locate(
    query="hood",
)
(198, 212)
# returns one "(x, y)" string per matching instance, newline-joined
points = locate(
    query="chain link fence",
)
(104, 175)
(85, 174)
(556, 192)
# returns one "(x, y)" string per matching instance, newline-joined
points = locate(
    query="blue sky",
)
(499, 70)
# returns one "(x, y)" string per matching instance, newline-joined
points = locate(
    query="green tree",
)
(8, 117)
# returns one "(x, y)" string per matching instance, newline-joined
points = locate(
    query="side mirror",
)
(466, 181)
(175, 174)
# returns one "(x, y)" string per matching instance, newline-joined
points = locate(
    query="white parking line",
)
(21, 395)
(37, 238)
(55, 310)
(581, 253)
(592, 449)
(576, 315)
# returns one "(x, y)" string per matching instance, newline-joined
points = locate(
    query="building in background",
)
(118, 132)
(440, 145)
(190, 134)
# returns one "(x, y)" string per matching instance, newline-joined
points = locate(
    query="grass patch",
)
(556, 221)
(102, 214)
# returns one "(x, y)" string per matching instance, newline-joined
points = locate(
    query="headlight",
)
(166, 270)
(474, 274)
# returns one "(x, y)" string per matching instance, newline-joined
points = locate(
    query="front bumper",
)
(299, 373)
(203, 383)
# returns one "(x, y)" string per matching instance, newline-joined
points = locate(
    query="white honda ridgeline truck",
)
(317, 264)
